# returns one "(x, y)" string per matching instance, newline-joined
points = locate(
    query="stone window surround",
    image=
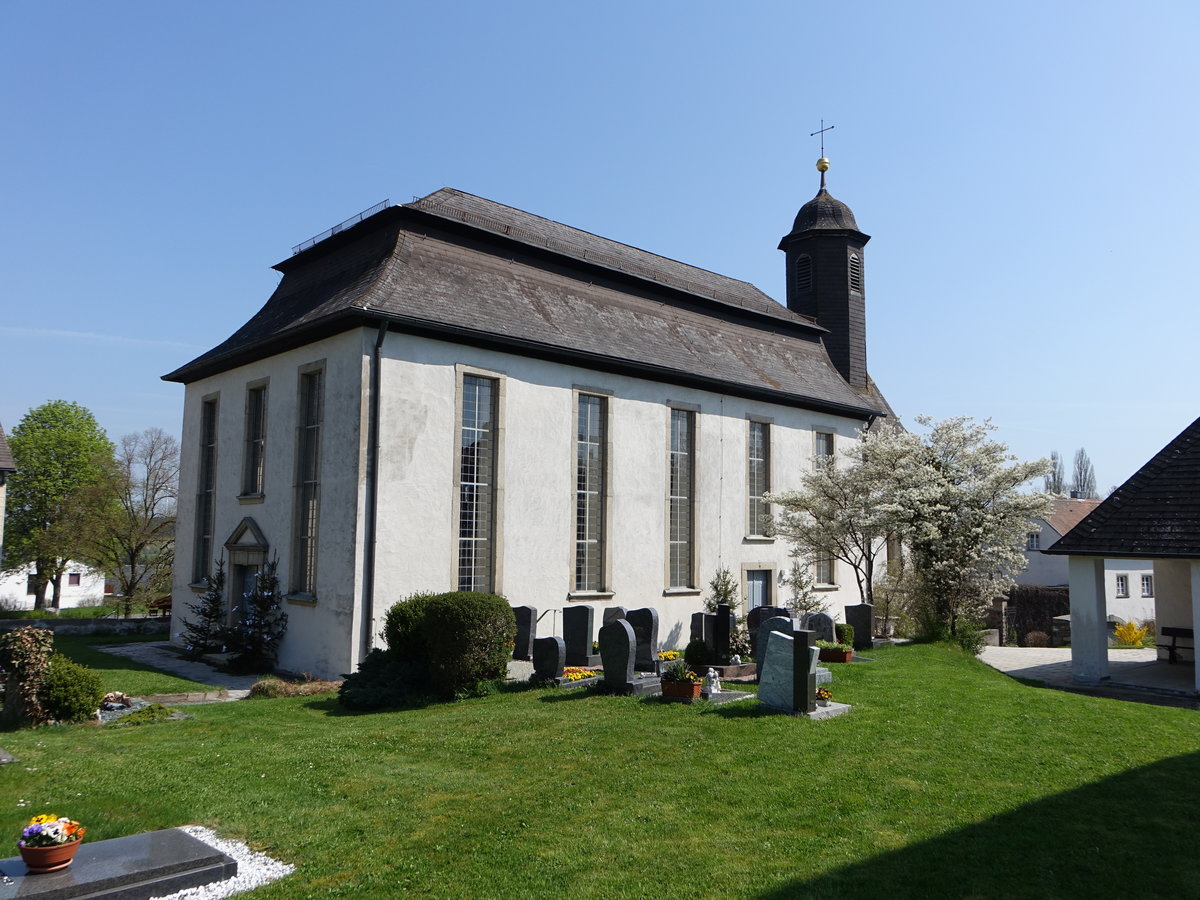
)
(605, 593)
(255, 496)
(308, 597)
(669, 589)
(200, 566)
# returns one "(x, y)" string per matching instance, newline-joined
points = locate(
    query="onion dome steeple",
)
(825, 277)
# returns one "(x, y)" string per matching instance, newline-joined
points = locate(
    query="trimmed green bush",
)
(70, 692)
(845, 634)
(468, 637)
(402, 627)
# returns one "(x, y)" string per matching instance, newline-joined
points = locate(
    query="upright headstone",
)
(645, 630)
(783, 625)
(760, 614)
(617, 649)
(723, 628)
(821, 624)
(549, 657)
(578, 622)
(613, 612)
(790, 681)
(804, 672)
(862, 617)
(526, 631)
(701, 627)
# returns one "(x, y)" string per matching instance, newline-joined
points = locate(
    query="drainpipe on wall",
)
(368, 610)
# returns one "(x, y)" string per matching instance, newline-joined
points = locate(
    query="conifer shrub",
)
(697, 655)
(383, 680)
(204, 631)
(1037, 639)
(467, 637)
(70, 692)
(845, 634)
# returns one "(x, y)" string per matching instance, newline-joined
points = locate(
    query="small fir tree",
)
(263, 622)
(804, 598)
(203, 633)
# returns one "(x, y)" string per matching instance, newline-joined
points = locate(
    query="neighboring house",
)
(7, 467)
(455, 394)
(80, 587)
(1154, 515)
(1128, 583)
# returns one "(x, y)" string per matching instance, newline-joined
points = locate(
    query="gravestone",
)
(703, 625)
(645, 629)
(578, 622)
(526, 631)
(861, 617)
(783, 625)
(760, 614)
(724, 625)
(549, 657)
(821, 624)
(613, 612)
(790, 679)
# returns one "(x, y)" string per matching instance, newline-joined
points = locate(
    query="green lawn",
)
(120, 673)
(946, 780)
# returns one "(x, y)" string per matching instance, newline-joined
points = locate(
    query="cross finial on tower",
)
(822, 163)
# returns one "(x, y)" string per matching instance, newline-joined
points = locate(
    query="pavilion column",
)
(1089, 619)
(1196, 617)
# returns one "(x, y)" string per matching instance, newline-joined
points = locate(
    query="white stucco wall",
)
(419, 446)
(537, 482)
(89, 592)
(320, 637)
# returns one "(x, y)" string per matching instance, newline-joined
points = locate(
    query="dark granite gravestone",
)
(526, 631)
(618, 646)
(862, 617)
(804, 671)
(724, 625)
(645, 629)
(154, 864)
(821, 624)
(760, 614)
(702, 630)
(549, 657)
(613, 612)
(578, 624)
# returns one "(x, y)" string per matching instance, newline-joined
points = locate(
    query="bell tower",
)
(826, 278)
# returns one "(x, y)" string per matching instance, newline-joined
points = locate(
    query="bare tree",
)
(1056, 481)
(130, 520)
(1083, 484)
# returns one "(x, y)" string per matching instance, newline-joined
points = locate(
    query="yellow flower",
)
(42, 820)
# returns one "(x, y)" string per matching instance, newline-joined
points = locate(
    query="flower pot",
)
(49, 859)
(839, 656)
(681, 689)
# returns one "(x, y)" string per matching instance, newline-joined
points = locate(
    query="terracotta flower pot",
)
(831, 655)
(682, 689)
(49, 859)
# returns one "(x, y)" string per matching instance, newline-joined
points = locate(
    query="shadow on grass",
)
(1118, 837)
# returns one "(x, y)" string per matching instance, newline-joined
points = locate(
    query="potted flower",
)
(680, 681)
(824, 695)
(831, 652)
(49, 843)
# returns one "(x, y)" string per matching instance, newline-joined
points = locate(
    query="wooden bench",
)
(162, 607)
(1175, 634)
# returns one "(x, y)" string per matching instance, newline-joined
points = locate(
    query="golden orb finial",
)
(823, 164)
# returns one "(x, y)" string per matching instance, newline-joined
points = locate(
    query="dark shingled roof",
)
(6, 458)
(461, 268)
(1156, 513)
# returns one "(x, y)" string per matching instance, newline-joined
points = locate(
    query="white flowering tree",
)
(969, 519)
(846, 509)
(953, 496)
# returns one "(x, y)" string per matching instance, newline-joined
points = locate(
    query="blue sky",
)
(1027, 172)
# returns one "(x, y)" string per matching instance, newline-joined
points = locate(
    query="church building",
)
(452, 394)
